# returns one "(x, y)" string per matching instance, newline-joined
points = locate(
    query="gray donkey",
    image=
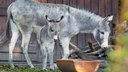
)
(27, 16)
(47, 43)
(80, 21)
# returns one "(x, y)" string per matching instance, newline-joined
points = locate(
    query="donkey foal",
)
(47, 43)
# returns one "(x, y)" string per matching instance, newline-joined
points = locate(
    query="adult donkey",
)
(80, 21)
(27, 16)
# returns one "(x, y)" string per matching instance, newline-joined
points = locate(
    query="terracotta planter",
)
(78, 65)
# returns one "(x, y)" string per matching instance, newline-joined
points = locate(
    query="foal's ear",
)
(58, 20)
(47, 18)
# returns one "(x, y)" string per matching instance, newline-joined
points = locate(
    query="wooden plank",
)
(87, 4)
(80, 4)
(67, 2)
(73, 3)
(2, 23)
(114, 4)
(18, 49)
(3, 2)
(17, 56)
(42, 1)
(3, 6)
(8, 2)
(51, 1)
(94, 5)
(17, 53)
(59, 1)
(102, 7)
(115, 10)
(3, 11)
(108, 7)
(81, 40)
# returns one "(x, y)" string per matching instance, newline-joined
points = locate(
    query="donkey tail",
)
(9, 16)
(7, 29)
(4, 36)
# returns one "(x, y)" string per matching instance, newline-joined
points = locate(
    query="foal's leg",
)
(50, 49)
(25, 42)
(44, 54)
(15, 35)
(65, 44)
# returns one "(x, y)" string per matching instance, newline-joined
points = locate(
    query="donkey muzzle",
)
(105, 43)
(55, 37)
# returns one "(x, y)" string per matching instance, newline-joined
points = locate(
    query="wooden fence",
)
(101, 7)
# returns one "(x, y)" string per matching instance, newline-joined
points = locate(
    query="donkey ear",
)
(109, 18)
(47, 18)
(58, 20)
(61, 18)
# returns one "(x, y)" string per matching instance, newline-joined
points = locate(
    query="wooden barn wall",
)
(101, 7)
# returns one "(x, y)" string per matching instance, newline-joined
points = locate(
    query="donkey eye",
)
(52, 30)
(57, 21)
(51, 20)
(102, 32)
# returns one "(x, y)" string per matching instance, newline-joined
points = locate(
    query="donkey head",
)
(101, 34)
(53, 27)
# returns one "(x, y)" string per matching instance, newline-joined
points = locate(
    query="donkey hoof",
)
(64, 58)
(12, 66)
(55, 66)
(45, 69)
(52, 68)
(31, 66)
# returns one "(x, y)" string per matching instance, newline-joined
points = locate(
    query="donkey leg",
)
(15, 35)
(50, 48)
(65, 44)
(44, 54)
(25, 42)
(12, 43)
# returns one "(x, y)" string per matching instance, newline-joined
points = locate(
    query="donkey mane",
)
(81, 14)
(84, 11)
(24, 0)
